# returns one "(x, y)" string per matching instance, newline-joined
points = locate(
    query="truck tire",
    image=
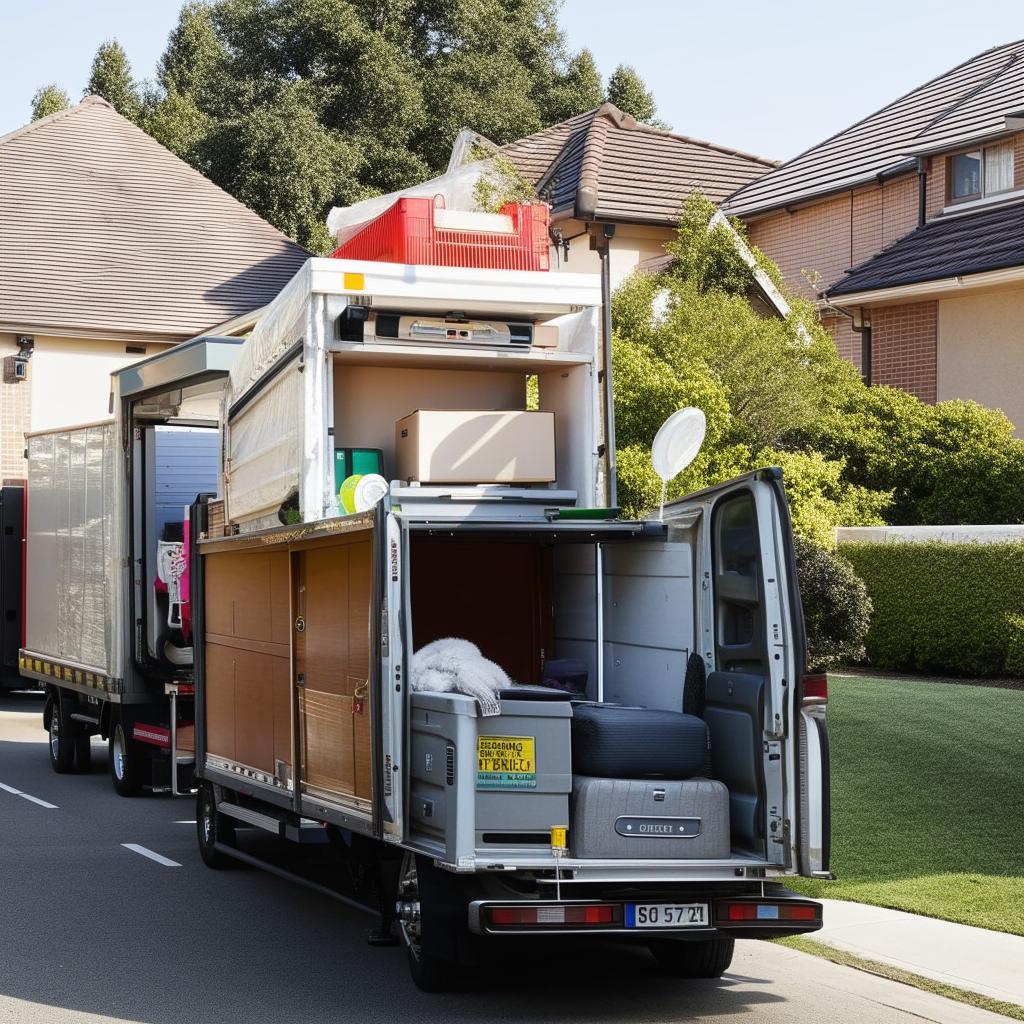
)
(62, 740)
(125, 760)
(706, 958)
(417, 921)
(212, 827)
(83, 754)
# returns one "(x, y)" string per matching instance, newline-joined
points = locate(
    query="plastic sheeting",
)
(74, 542)
(265, 448)
(457, 187)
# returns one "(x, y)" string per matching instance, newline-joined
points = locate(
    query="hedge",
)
(947, 608)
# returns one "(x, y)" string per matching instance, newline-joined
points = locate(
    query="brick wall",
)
(15, 414)
(848, 341)
(904, 348)
(1018, 161)
(835, 234)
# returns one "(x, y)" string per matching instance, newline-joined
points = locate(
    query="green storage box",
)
(349, 461)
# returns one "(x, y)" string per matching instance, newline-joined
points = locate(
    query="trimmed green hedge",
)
(947, 608)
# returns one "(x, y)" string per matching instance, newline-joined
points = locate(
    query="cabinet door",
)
(333, 602)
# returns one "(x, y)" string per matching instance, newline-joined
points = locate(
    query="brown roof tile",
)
(104, 231)
(604, 165)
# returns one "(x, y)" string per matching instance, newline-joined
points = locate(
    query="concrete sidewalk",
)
(976, 959)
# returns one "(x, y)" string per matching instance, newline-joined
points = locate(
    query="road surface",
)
(108, 914)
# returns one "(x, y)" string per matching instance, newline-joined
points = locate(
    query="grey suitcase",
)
(649, 819)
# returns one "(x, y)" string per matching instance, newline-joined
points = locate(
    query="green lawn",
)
(927, 806)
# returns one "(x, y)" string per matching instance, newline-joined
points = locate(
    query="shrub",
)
(1014, 664)
(837, 609)
(942, 607)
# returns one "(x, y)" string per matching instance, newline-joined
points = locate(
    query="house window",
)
(981, 172)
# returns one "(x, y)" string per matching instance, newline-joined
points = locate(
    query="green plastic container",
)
(351, 461)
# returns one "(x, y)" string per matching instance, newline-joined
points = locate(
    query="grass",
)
(961, 995)
(927, 804)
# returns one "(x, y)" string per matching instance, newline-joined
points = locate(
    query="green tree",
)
(365, 97)
(626, 89)
(111, 78)
(49, 100)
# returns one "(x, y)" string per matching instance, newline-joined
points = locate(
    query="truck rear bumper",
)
(692, 916)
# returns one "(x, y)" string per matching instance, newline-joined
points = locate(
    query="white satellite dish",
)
(676, 444)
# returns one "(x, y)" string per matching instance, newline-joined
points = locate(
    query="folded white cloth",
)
(452, 665)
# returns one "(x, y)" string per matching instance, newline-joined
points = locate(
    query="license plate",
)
(666, 915)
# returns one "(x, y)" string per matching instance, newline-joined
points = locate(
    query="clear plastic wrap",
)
(74, 546)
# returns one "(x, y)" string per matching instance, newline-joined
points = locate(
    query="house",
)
(111, 249)
(604, 167)
(908, 227)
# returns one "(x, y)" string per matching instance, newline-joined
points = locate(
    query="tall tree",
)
(49, 100)
(363, 96)
(626, 89)
(111, 78)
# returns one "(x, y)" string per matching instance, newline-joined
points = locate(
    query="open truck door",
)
(749, 631)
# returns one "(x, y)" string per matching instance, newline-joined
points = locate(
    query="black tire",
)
(706, 958)
(62, 739)
(125, 760)
(212, 827)
(430, 972)
(83, 754)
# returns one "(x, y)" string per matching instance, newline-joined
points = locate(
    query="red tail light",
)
(768, 912)
(816, 686)
(551, 915)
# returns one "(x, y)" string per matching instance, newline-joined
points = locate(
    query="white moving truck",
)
(660, 765)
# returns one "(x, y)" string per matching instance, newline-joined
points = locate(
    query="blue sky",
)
(768, 76)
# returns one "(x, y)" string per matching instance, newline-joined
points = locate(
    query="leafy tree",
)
(363, 97)
(627, 91)
(111, 78)
(50, 99)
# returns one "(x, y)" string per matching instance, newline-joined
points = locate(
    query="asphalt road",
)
(93, 931)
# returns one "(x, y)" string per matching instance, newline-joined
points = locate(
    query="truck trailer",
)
(658, 765)
(106, 540)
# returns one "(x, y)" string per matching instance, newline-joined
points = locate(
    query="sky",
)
(771, 77)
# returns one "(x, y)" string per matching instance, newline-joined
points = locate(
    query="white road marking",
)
(27, 796)
(36, 800)
(166, 861)
(192, 822)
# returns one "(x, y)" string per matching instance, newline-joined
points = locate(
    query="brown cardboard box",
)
(476, 447)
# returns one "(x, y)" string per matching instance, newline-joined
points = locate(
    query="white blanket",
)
(457, 666)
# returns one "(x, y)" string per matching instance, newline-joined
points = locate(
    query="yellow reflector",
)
(355, 282)
(559, 840)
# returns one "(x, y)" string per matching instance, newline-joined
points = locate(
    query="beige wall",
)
(630, 246)
(981, 350)
(68, 382)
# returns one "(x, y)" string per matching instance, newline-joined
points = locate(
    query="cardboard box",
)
(476, 447)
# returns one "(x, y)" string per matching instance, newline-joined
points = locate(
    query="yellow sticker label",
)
(354, 282)
(506, 762)
(559, 838)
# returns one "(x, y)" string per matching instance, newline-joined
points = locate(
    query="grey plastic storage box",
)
(649, 819)
(479, 785)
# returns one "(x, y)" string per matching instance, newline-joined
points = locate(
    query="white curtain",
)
(998, 168)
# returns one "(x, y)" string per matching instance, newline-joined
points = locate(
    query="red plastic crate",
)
(407, 233)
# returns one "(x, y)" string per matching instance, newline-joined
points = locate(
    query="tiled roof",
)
(970, 102)
(103, 231)
(951, 246)
(604, 165)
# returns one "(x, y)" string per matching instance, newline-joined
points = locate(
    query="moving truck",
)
(659, 766)
(106, 632)
(416, 631)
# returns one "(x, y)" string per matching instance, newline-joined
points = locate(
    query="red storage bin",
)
(408, 233)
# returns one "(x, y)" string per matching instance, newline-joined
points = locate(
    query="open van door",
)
(769, 744)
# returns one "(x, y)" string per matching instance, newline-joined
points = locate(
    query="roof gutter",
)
(927, 289)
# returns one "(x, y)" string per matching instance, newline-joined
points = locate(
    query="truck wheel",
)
(708, 958)
(83, 753)
(212, 827)
(62, 740)
(125, 761)
(430, 972)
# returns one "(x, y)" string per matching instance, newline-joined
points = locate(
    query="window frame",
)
(981, 150)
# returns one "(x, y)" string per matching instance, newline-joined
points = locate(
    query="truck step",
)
(279, 824)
